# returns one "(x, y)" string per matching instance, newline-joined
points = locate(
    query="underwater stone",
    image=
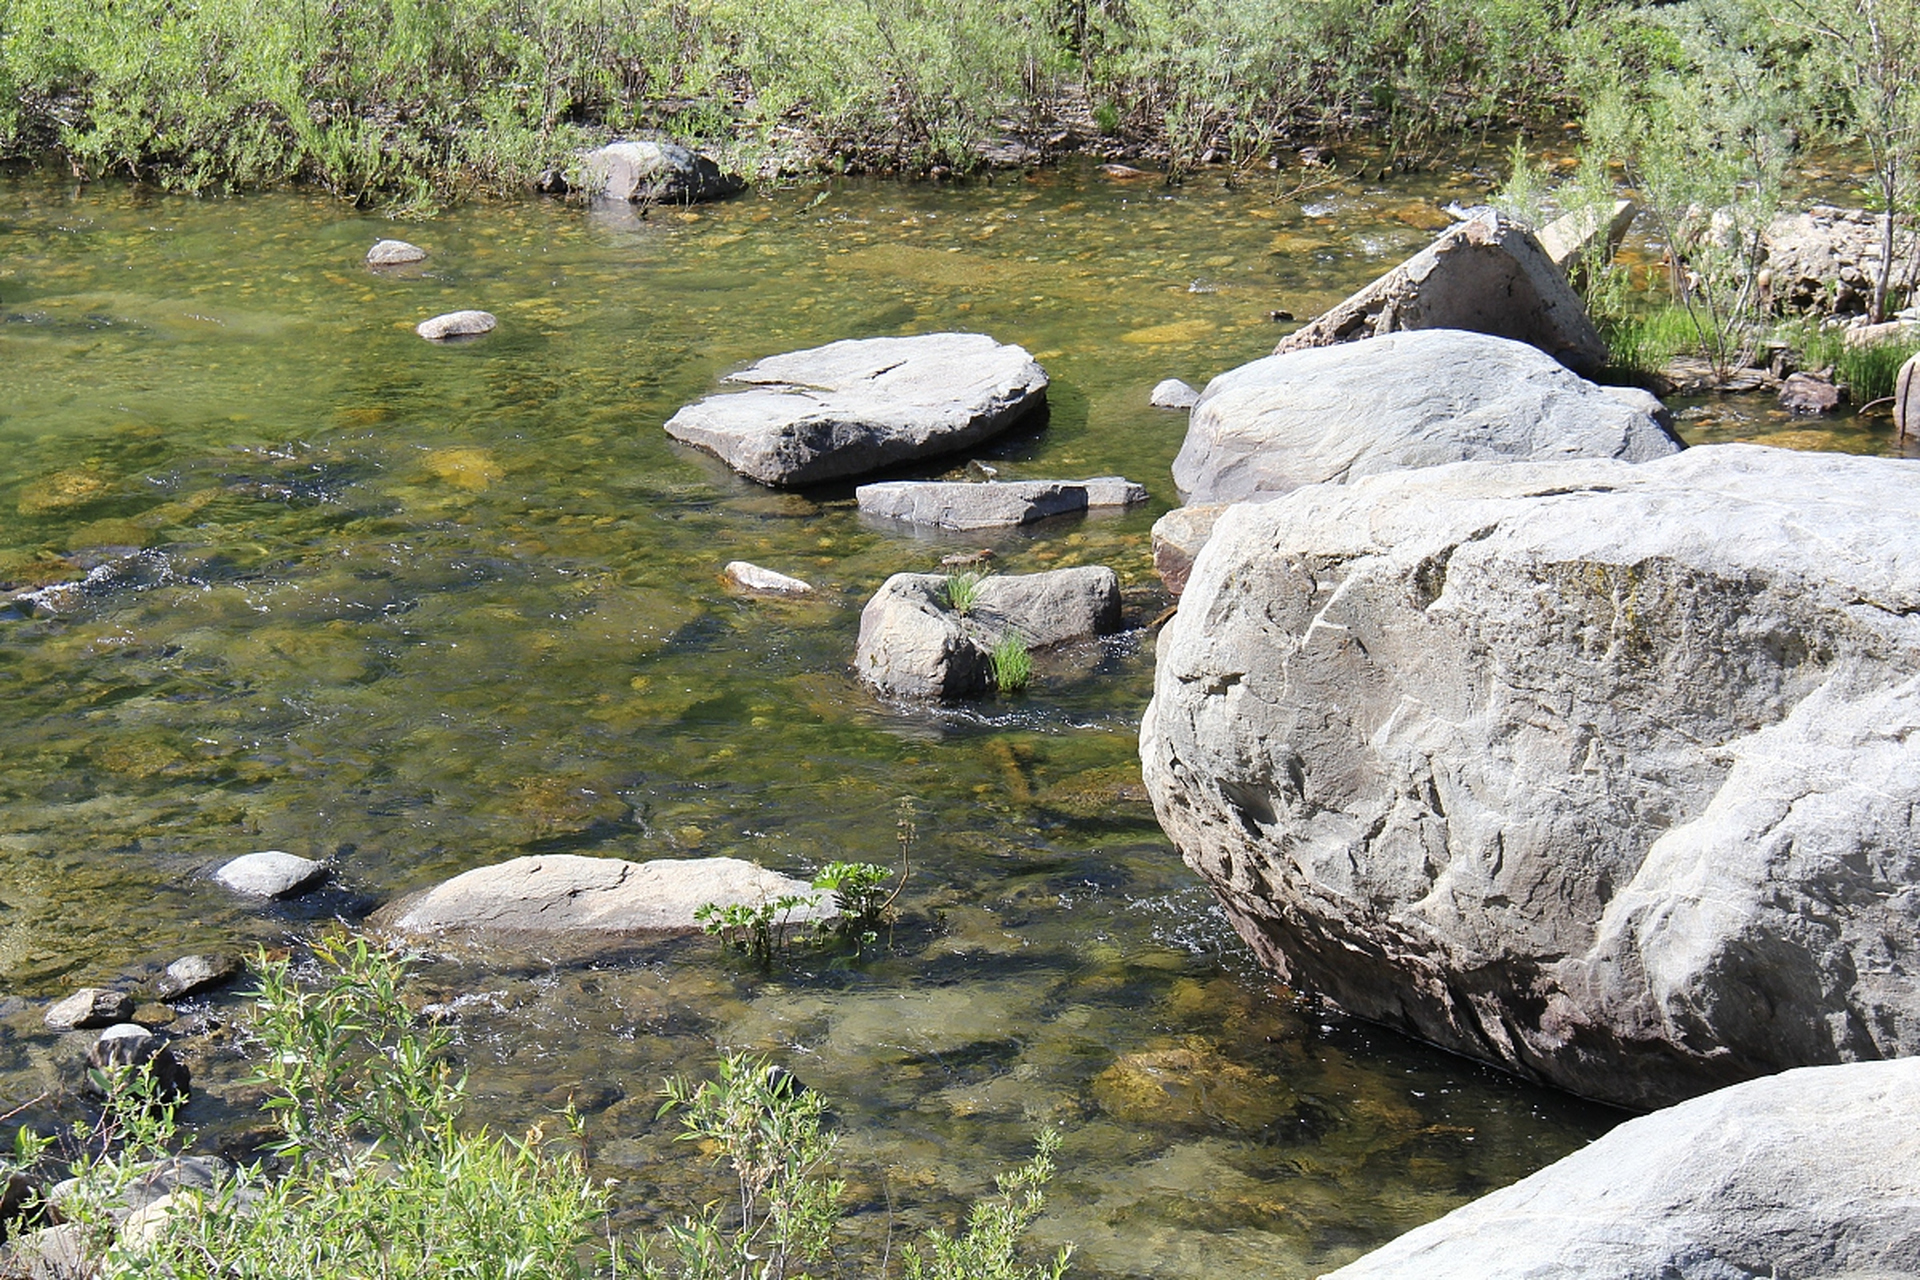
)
(1171, 393)
(753, 578)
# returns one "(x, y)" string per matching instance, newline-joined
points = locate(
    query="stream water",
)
(416, 609)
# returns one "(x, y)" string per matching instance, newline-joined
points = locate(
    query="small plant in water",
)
(1012, 663)
(963, 591)
(757, 931)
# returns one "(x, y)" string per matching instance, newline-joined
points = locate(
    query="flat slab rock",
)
(851, 408)
(914, 644)
(551, 894)
(755, 580)
(90, 1007)
(1335, 414)
(1488, 275)
(996, 504)
(1608, 774)
(1812, 1173)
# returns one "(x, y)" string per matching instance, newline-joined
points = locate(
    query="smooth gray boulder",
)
(90, 1007)
(271, 873)
(854, 407)
(1171, 393)
(915, 644)
(1486, 274)
(394, 253)
(650, 172)
(1606, 774)
(1421, 399)
(456, 324)
(567, 894)
(1809, 1174)
(995, 504)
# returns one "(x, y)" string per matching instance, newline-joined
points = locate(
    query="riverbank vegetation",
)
(419, 102)
(375, 1173)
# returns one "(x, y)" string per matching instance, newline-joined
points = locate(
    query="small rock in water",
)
(1809, 394)
(1173, 394)
(967, 559)
(394, 253)
(190, 975)
(751, 577)
(90, 1007)
(271, 874)
(130, 1045)
(456, 324)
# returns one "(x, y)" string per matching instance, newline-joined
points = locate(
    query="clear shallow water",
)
(421, 608)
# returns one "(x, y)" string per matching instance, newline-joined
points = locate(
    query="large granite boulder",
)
(1606, 774)
(1407, 400)
(854, 407)
(1809, 1174)
(651, 172)
(915, 643)
(996, 504)
(1486, 274)
(1576, 234)
(549, 895)
(1177, 538)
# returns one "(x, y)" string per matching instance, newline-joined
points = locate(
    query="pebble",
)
(90, 1007)
(271, 874)
(456, 324)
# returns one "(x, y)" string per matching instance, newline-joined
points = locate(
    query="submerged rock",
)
(1811, 1173)
(569, 894)
(90, 1007)
(394, 253)
(1488, 275)
(996, 504)
(915, 643)
(853, 407)
(271, 874)
(456, 324)
(1192, 1085)
(1407, 400)
(1606, 774)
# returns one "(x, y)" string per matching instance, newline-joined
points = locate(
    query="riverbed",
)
(416, 608)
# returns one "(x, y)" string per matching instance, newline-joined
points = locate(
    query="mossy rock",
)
(1192, 1085)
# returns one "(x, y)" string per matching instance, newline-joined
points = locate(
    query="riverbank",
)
(409, 106)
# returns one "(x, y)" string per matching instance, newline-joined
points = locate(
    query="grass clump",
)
(1012, 663)
(962, 591)
(1644, 343)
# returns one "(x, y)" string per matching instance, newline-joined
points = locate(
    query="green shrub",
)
(1869, 371)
